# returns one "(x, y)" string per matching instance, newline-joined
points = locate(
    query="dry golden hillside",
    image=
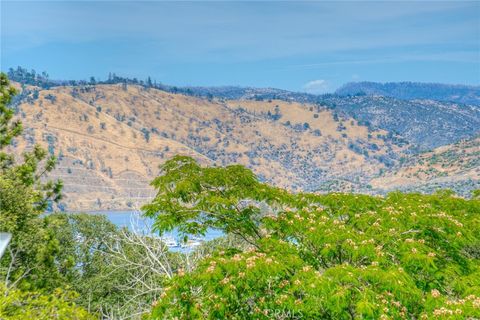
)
(110, 140)
(451, 164)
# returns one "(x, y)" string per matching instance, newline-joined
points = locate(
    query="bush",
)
(16, 304)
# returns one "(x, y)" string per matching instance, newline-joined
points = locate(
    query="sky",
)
(313, 46)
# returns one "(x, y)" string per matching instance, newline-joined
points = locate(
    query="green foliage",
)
(194, 199)
(31, 270)
(23, 197)
(81, 260)
(335, 256)
(20, 305)
(7, 130)
(476, 194)
(115, 272)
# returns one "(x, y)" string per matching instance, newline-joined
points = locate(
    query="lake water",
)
(128, 219)
(134, 221)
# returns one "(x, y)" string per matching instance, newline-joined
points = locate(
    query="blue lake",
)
(125, 218)
(134, 221)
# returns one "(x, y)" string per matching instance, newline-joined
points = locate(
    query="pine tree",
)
(23, 198)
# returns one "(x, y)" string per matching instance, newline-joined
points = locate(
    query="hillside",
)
(111, 139)
(455, 166)
(426, 124)
(415, 90)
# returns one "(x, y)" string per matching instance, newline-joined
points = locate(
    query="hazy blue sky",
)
(306, 46)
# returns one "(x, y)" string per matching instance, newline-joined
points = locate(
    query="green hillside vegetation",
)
(283, 255)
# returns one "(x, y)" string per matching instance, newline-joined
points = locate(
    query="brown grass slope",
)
(111, 140)
(450, 164)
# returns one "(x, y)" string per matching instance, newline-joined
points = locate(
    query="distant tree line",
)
(42, 80)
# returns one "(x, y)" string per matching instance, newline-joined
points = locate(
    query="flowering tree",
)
(336, 256)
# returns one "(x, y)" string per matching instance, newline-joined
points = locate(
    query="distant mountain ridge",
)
(426, 124)
(43, 81)
(414, 90)
(426, 115)
(466, 94)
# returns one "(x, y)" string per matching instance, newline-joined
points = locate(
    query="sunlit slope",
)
(111, 140)
(454, 166)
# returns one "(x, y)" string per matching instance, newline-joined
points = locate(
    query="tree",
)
(30, 270)
(23, 197)
(335, 256)
(18, 305)
(8, 130)
(115, 273)
(195, 199)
